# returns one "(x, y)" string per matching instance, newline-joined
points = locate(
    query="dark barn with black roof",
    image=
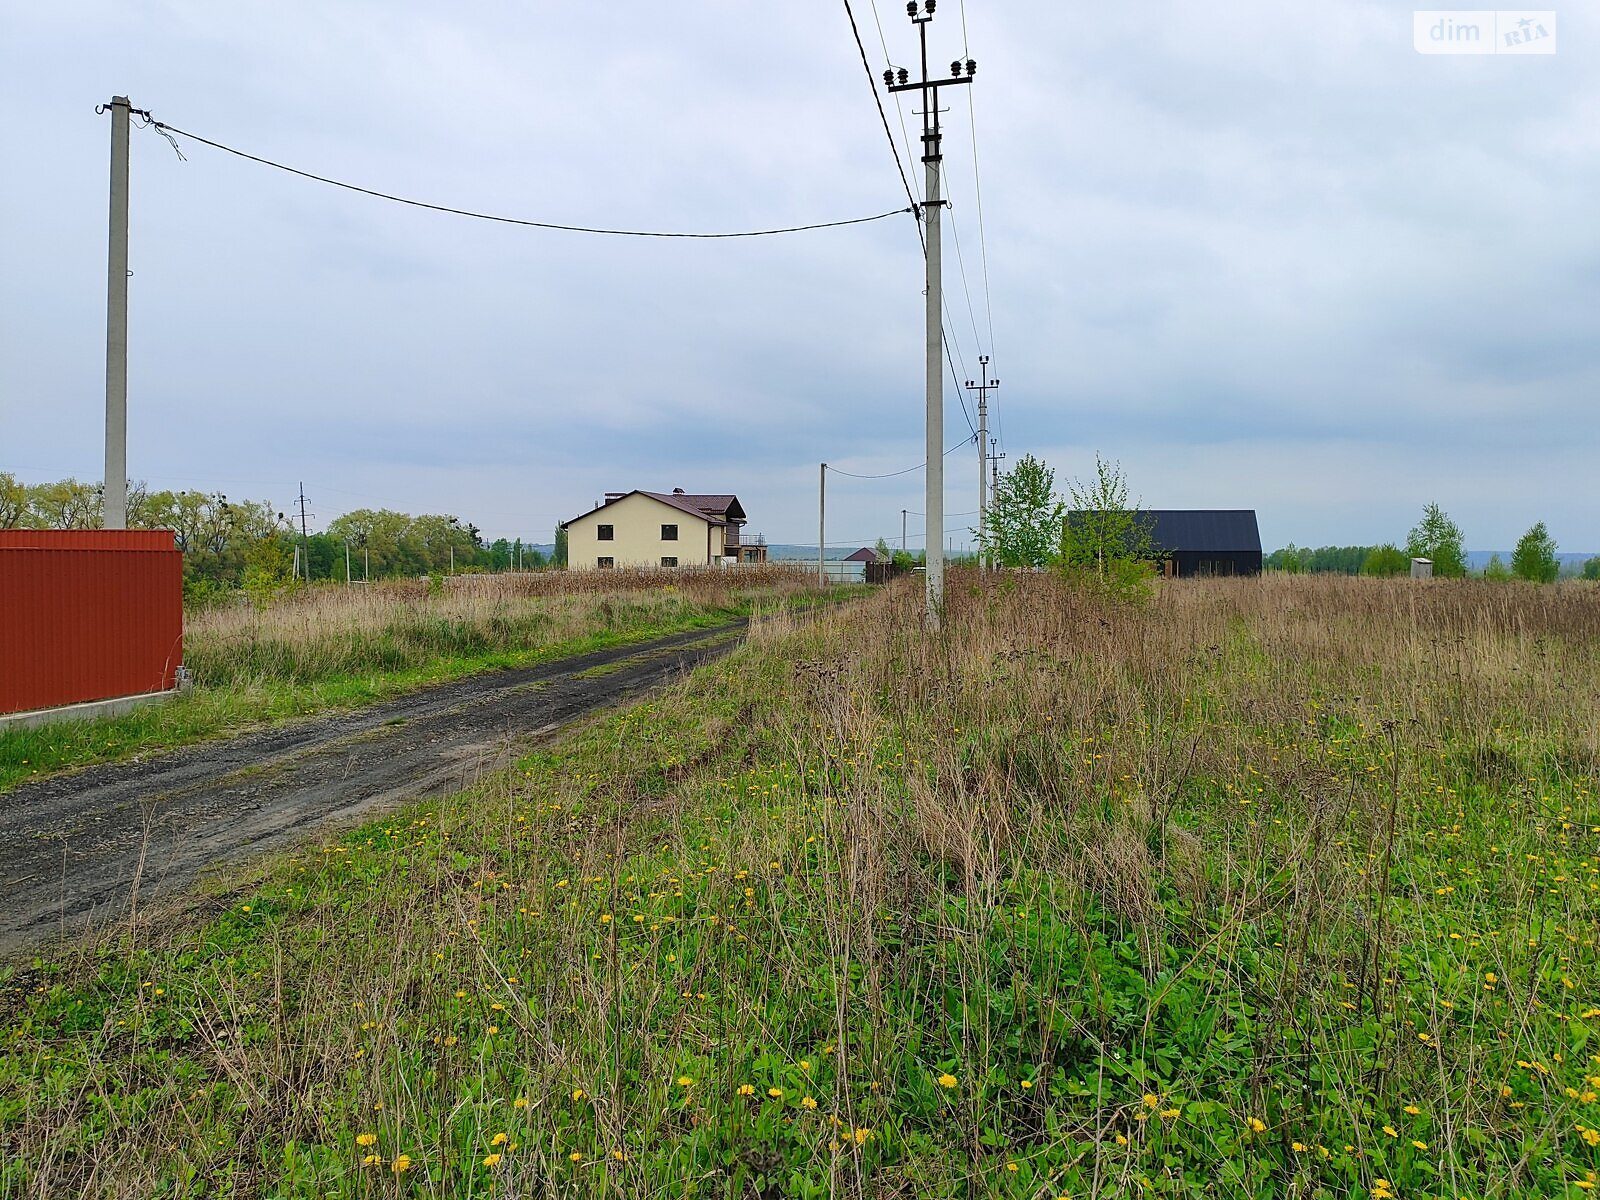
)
(1207, 541)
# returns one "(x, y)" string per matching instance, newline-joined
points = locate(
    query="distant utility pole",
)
(994, 465)
(116, 483)
(822, 511)
(347, 564)
(897, 81)
(305, 538)
(902, 529)
(982, 387)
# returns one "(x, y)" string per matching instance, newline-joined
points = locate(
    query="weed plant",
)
(1267, 888)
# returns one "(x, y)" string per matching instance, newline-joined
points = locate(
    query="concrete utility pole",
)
(116, 481)
(897, 81)
(902, 529)
(822, 511)
(982, 388)
(994, 466)
(347, 564)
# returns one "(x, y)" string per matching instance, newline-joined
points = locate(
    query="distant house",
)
(1207, 541)
(864, 555)
(1204, 541)
(661, 529)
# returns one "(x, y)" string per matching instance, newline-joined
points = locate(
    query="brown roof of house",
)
(862, 555)
(703, 507)
(726, 506)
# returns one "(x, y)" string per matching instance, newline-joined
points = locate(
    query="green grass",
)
(1213, 898)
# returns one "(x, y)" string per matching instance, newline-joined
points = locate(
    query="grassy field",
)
(1269, 888)
(331, 647)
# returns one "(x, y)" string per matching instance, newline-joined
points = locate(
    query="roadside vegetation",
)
(1284, 887)
(298, 651)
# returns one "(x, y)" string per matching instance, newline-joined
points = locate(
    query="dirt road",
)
(74, 848)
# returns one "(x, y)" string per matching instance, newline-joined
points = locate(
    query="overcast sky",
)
(1265, 255)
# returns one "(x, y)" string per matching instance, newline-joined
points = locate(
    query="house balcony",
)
(744, 546)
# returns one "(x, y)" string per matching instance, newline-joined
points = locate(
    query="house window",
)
(669, 561)
(605, 533)
(669, 533)
(605, 563)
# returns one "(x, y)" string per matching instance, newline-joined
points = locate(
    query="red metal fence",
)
(88, 614)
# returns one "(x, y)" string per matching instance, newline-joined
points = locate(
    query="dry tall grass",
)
(330, 630)
(1270, 888)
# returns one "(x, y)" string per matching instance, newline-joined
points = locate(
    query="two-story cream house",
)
(661, 529)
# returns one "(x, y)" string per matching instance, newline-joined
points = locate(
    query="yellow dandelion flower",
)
(401, 1164)
(807, 1102)
(1592, 1136)
(366, 1139)
(1257, 1125)
(1413, 1110)
(1026, 1084)
(1419, 1145)
(1171, 1114)
(775, 1092)
(618, 1155)
(1011, 1166)
(372, 1160)
(1391, 1131)
(499, 1139)
(491, 1160)
(1122, 1139)
(1151, 1100)
(947, 1081)
(685, 1081)
(575, 1157)
(520, 1102)
(861, 1135)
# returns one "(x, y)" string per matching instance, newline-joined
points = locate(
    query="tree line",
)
(1437, 538)
(246, 543)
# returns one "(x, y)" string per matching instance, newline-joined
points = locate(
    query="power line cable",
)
(983, 247)
(907, 471)
(167, 130)
(883, 116)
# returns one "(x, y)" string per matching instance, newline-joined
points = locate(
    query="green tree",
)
(1023, 522)
(1496, 571)
(65, 504)
(1291, 560)
(386, 539)
(268, 569)
(13, 502)
(1535, 559)
(559, 557)
(1105, 535)
(1385, 561)
(1437, 537)
(1591, 568)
